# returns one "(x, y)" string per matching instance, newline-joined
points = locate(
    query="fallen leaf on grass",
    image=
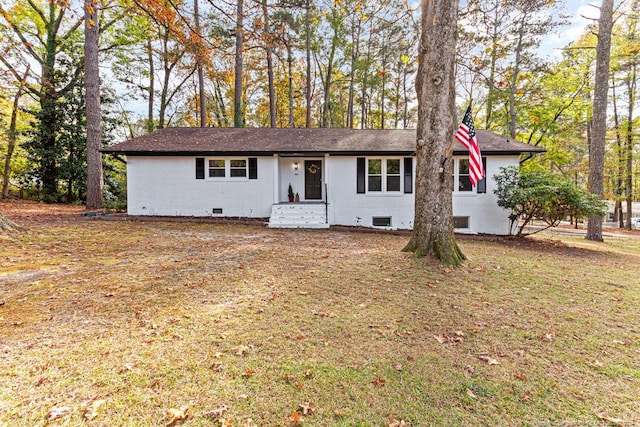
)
(295, 419)
(215, 413)
(607, 418)
(378, 382)
(471, 394)
(440, 338)
(306, 408)
(176, 415)
(240, 350)
(93, 409)
(398, 367)
(393, 422)
(578, 395)
(526, 396)
(248, 373)
(489, 360)
(519, 375)
(548, 337)
(622, 342)
(448, 339)
(57, 412)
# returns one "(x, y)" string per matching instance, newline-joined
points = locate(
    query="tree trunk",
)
(435, 85)
(308, 47)
(238, 110)
(290, 79)
(92, 101)
(599, 119)
(355, 55)
(7, 225)
(151, 89)
(364, 110)
(268, 40)
(619, 179)
(12, 136)
(202, 100)
(48, 114)
(631, 97)
(514, 79)
(491, 80)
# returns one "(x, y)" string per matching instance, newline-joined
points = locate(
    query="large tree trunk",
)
(435, 85)
(8, 225)
(599, 119)
(92, 94)
(12, 136)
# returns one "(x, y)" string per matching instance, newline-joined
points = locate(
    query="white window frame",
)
(456, 178)
(384, 175)
(228, 168)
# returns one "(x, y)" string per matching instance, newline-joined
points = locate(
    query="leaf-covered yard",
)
(108, 323)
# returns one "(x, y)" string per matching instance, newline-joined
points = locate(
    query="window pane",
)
(464, 183)
(460, 222)
(393, 183)
(375, 167)
(238, 168)
(464, 167)
(375, 183)
(216, 168)
(393, 166)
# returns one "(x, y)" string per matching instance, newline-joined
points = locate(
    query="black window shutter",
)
(253, 168)
(199, 167)
(482, 184)
(361, 165)
(408, 175)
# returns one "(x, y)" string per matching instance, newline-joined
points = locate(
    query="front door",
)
(313, 179)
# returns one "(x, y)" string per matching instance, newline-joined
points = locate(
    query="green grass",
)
(154, 316)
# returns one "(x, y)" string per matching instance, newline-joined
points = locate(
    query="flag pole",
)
(453, 141)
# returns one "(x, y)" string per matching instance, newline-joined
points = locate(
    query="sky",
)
(582, 13)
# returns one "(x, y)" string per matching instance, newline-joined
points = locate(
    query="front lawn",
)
(114, 323)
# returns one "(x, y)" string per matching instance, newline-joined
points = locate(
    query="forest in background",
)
(296, 63)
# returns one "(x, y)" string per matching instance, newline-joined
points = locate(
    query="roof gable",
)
(268, 141)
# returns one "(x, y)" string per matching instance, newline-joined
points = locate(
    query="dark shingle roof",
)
(267, 141)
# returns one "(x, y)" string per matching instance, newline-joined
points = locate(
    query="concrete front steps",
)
(298, 215)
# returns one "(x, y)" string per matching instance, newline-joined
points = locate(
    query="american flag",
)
(466, 134)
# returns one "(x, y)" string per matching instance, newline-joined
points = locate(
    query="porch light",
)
(295, 166)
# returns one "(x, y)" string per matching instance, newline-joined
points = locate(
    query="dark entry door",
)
(313, 179)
